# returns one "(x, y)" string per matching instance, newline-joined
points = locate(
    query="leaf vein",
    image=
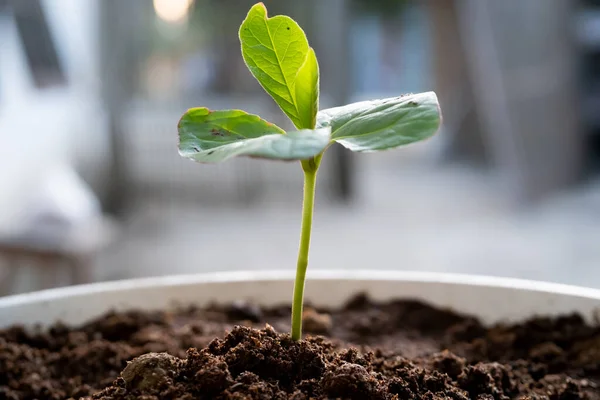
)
(281, 68)
(258, 39)
(376, 131)
(362, 114)
(263, 71)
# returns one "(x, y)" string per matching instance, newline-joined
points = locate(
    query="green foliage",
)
(212, 136)
(383, 124)
(276, 52)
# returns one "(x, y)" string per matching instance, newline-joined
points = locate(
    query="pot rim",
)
(288, 275)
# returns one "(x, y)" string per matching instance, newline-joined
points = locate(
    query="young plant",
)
(277, 53)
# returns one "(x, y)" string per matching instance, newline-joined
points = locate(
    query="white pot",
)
(490, 299)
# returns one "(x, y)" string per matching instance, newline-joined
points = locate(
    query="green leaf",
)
(276, 52)
(213, 136)
(307, 89)
(383, 124)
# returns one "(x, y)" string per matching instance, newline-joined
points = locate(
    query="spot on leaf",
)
(216, 132)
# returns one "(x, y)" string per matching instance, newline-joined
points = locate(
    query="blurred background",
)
(92, 187)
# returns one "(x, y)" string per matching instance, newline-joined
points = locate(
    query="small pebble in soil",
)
(351, 381)
(314, 322)
(149, 371)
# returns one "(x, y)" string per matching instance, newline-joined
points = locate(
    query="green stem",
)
(310, 177)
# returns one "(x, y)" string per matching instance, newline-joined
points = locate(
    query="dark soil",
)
(398, 350)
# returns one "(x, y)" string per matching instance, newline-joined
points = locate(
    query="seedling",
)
(277, 53)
